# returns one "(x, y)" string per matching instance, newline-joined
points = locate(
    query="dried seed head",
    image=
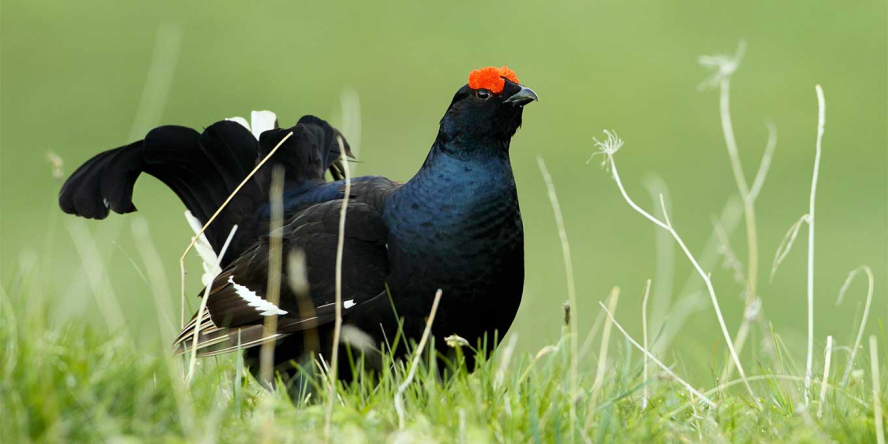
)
(722, 65)
(58, 165)
(608, 147)
(566, 314)
(456, 341)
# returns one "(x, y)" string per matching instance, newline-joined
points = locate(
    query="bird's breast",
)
(460, 231)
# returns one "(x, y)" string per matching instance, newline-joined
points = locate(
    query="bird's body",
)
(455, 226)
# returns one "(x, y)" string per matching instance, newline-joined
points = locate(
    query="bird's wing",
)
(237, 305)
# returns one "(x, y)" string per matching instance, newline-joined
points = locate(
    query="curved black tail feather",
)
(203, 170)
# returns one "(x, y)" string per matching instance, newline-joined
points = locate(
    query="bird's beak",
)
(522, 97)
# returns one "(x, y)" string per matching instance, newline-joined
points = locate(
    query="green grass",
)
(77, 382)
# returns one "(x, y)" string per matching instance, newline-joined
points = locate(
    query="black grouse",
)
(455, 226)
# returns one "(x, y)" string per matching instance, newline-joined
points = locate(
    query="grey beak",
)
(522, 97)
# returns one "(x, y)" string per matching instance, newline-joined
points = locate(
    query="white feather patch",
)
(205, 251)
(348, 304)
(262, 121)
(211, 260)
(264, 307)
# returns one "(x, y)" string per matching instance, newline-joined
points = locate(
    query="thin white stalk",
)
(609, 148)
(877, 390)
(616, 176)
(821, 121)
(212, 218)
(827, 359)
(866, 310)
(644, 330)
(417, 355)
(662, 366)
(571, 287)
(337, 326)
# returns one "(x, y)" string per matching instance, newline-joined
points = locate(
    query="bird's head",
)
(487, 110)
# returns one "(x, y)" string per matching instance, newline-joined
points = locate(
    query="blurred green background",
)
(81, 77)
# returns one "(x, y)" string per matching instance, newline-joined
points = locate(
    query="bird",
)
(455, 226)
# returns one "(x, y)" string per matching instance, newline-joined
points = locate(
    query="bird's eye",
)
(482, 94)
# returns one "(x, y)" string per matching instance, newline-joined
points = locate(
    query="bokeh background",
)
(81, 77)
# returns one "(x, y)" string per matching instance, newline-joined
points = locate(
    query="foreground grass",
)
(79, 383)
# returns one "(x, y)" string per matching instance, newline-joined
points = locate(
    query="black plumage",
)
(456, 226)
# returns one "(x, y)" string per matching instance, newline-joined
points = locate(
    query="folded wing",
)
(237, 305)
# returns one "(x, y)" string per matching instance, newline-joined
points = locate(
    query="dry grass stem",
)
(417, 355)
(273, 288)
(337, 326)
(821, 121)
(571, 286)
